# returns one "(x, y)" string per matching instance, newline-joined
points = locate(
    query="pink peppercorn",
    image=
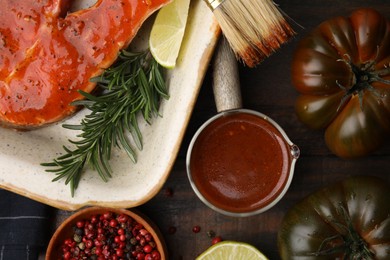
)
(109, 236)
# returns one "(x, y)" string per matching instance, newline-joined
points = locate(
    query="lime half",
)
(232, 250)
(167, 32)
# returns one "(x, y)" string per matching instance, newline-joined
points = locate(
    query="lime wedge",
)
(231, 250)
(167, 32)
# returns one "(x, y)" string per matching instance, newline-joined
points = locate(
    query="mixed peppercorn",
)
(110, 236)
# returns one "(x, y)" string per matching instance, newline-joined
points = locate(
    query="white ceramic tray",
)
(132, 184)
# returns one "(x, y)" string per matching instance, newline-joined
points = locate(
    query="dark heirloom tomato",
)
(342, 70)
(349, 220)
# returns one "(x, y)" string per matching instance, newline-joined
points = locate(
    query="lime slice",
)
(231, 250)
(167, 32)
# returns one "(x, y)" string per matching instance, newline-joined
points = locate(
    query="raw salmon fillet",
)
(48, 54)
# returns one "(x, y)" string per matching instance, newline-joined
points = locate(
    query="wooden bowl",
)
(66, 230)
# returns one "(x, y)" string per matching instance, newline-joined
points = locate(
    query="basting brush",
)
(254, 28)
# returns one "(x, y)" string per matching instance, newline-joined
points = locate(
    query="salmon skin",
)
(47, 54)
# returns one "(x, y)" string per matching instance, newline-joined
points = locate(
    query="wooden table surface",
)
(267, 89)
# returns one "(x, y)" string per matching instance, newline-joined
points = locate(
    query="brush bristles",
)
(254, 28)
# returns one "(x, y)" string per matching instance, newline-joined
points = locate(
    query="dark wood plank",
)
(267, 89)
(183, 209)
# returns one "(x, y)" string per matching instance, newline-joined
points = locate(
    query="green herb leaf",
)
(133, 85)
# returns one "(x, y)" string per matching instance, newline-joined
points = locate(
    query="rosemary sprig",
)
(134, 84)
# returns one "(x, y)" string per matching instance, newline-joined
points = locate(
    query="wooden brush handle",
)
(226, 82)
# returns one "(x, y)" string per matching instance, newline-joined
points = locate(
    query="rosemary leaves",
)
(133, 85)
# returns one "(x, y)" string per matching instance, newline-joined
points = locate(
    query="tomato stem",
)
(364, 76)
(348, 242)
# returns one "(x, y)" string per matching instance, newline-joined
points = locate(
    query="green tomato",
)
(342, 70)
(347, 220)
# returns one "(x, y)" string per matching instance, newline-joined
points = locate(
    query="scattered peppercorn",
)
(169, 192)
(110, 236)
(210, 233)
(172, 230)
(215, 240)
(196, 229)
